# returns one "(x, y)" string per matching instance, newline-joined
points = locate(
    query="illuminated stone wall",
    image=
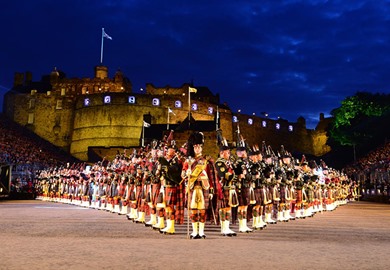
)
(74, 116)
(119, 123)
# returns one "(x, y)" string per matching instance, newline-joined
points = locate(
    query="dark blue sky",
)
(288, 58)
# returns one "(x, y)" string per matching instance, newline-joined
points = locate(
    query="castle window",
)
(155, 102)
(107, 99)
(264, 123)
(59, 104)
(277, 126)
(30, 119)
(131, 99)
(63, 91)
(250, 121)
(210, 110)
(235, 119)
(290, 128)
(87, 102)
(194, 107)
(178, 104)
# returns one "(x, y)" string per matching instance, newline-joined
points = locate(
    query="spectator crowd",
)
(373, 172)
(26, 153)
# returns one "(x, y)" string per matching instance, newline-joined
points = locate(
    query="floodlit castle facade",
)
(83, 114)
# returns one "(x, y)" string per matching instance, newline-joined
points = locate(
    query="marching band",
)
(155, 184)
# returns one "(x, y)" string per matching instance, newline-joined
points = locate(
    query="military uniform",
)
(255, 169)
(170, 168)
(244, 188)
(200, 178)
(227, 197)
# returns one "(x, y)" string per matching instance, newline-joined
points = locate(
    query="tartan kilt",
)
(299, 195)
(116, 200)
(155, 193)
(180, 199)
(263, 198)
(244, 196)
(258, 197)
(224, 202)
(316, 202)
(293, 195)
(282, 195)
(148, 195)
(170, 196)
(138, 195)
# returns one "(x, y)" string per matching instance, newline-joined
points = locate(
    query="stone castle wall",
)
(74, 116)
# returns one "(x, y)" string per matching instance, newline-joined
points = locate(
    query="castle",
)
(90, 115)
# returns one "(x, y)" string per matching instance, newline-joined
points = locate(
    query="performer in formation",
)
(198, 174)
(169, 170)
(158, 182)
(227, 198)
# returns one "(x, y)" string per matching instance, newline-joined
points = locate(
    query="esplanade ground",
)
(45, 235)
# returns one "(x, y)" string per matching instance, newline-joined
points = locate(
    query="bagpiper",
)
(170, 169)
(228, 195)
(244, 187)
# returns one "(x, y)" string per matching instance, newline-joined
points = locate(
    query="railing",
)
(374, 185)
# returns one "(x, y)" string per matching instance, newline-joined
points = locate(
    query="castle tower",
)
(18, 79)
(101, 72)
(54, 75)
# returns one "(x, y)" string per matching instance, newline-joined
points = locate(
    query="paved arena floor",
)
(44, 235)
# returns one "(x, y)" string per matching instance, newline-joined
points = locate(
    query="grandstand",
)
(373, 173)
(22, 153)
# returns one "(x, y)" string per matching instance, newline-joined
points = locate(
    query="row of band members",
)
(162, 183)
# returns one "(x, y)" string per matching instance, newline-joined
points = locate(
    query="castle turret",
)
(101, 72)
(28, 77)
(118, 78)
(18, 79)
(54, 75)
(301, 121)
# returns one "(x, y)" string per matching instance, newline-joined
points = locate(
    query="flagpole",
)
(217, 120)
(168, 120)
(101, 48)
(143, 133)
(189, 107)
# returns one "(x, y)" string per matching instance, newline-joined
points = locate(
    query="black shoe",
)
(195, 237)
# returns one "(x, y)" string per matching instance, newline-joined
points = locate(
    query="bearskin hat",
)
(195, 138)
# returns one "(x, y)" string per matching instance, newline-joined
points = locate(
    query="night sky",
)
(287, 58)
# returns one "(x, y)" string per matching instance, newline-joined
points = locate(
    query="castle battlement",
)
(77, 114)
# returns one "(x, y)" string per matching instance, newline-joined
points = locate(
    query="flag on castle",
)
(192, 90)
(106, 35)
(146, 124)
